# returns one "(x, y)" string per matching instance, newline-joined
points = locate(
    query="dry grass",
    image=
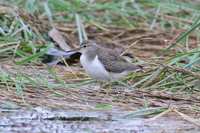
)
(170, 79)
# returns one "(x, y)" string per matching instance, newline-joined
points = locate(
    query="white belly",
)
(94, 68)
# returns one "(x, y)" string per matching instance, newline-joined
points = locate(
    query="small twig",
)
(159, 115)
(173, 18)
(15, 50)
(155, 18)
(99, 26)
(69, 68)
(194, 26)
(183, 70)
(85, 37)
(48, 12)
(153, 76)
(187, 118)
(9, 43)
(80, 34)
(174, 39)
(134, 43)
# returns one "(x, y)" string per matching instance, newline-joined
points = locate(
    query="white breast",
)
(94, 68)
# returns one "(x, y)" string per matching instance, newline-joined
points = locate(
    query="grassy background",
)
(24, 39)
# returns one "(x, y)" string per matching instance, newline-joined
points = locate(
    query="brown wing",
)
(113, 62)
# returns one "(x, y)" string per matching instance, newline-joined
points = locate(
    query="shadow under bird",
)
(103, 63)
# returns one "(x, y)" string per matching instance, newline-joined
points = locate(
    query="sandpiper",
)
(104, 64)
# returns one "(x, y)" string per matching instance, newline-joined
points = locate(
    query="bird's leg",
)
(101, 86)
(104, 86)
(108, 87)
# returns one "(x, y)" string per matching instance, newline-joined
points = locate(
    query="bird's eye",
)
(83, 46)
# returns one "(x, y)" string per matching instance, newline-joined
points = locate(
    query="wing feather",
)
(113, 62)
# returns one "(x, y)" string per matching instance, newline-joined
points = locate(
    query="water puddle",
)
(49, 121)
